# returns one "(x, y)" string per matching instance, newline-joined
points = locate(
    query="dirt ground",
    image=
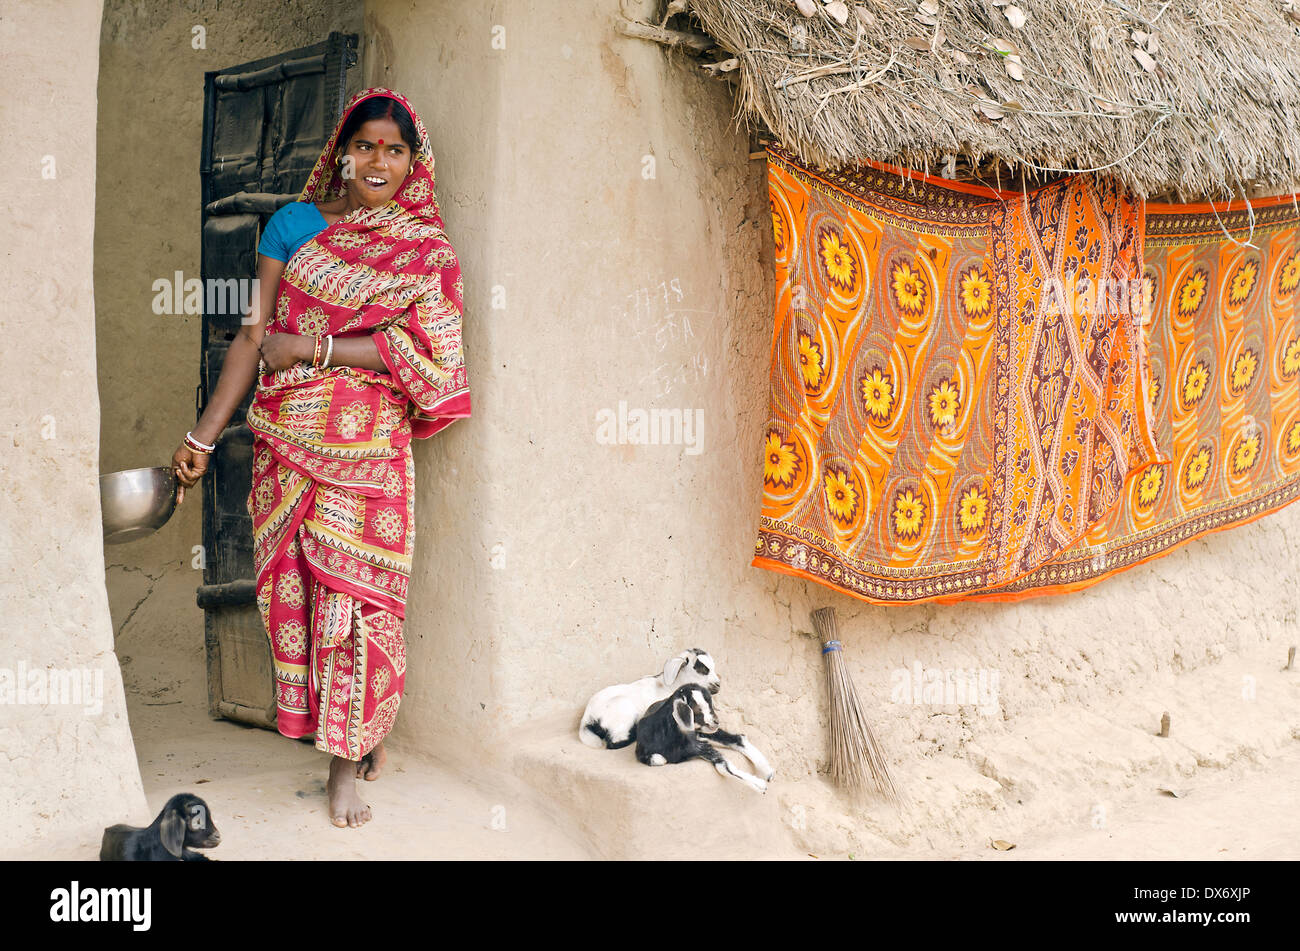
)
(1241, 813)
(267, 794)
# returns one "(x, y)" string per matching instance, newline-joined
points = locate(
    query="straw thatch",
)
(1193, 98)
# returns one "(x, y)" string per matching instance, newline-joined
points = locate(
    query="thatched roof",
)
(1208, 107)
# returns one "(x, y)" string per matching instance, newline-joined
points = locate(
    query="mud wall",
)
(66, 759)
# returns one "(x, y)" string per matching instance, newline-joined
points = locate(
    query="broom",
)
(856, 760)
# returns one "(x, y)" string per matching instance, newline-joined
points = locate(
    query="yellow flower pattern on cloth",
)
(440, 257)
(419, 191)
(909, 514)
(1192, 293)
(1242, 282)
(1149, 488)
(972, 511)
(1243, 371)
(943, 403)
(841, 496)
(1244, 456)
(878, 394)
(839, 262)
(780, 462)
(975, 292)
(1289, 279)
(909, 288)
(406, 257)
(1197, 468)
(1194, 386)
(810, 361)
(1291, 358)
(392, 484)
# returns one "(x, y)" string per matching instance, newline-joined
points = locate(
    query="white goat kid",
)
(611, 715)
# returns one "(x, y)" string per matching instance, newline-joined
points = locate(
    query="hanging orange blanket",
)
(982, 394)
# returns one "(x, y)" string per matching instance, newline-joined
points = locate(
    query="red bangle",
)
(197, 446)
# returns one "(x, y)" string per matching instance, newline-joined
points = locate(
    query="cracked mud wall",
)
(67, 764)
(616, 245)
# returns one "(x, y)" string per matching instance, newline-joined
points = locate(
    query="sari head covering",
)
(333, 482)
(388, 272)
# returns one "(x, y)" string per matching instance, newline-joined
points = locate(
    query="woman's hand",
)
(281, 351)
(189, 467)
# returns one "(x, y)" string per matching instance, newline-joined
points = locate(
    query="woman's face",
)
(379, 160)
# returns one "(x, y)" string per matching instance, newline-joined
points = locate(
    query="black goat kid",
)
(184, 821)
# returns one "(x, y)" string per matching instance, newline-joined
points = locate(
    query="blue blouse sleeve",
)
(273, 238)
(289, 229)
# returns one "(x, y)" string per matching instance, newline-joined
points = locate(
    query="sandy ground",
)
(267, 794)
(1246, 813)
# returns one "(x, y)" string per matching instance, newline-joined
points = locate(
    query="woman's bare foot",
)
(372, 764)
(346, 807)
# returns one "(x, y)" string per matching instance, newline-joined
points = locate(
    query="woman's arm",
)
(239, 370)
(356, 352)
(348, 352)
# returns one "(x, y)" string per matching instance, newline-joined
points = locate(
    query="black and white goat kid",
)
(610, 719)
(683, 726)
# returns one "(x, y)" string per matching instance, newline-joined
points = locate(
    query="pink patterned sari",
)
(333, 489)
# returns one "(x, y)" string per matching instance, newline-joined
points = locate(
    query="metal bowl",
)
(136, 502)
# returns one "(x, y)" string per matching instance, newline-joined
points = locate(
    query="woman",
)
(362, 355)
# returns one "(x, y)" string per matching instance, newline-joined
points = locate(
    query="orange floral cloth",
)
(980, 394)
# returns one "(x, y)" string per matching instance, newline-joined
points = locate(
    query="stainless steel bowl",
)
(136, 502)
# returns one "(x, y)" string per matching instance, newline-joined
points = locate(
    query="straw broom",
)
(856, 759)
